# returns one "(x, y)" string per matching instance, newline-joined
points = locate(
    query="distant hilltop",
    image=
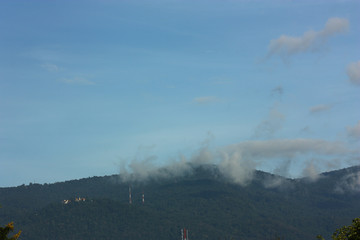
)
(203, 201)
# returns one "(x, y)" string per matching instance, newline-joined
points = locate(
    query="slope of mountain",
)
(205, 202)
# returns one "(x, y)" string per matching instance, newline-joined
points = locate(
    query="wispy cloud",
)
(353, 72)
(77, 81)
(320, 108)
(311, 171)
(205, 100)
(50, 67)
(222, 81)
(277, 91)
(354, 131)
(305, 129)
(349, 183)
(271, 124)
(288, 148)
(286, 46)
(247, 155)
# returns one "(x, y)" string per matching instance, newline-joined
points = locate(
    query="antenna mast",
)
(184, 234)
(130, 201)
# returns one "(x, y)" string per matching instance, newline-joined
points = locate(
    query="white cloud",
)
(335, 25)
(286, 46)
(353, 72)
(287, 148)
(236, 168)
(320, 108)
(144, 169)
(354, 132)
(237, 162)
(50, 67)
(205, 99)
(77, 81)
(250, 154)
(311, 171)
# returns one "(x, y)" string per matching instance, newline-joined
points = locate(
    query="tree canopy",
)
(351, 232)
(4, 232)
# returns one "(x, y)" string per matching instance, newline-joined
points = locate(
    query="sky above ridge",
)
(98, 87)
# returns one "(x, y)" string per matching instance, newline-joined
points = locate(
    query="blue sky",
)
(92, 87)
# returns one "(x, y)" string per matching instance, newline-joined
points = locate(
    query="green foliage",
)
(4, 232)
(351, 232)
(320, 237)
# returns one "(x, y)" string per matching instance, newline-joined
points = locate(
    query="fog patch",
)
(277, 182)
(349, 183)
(237, 162)
(236, 168)
(311, 172)
(283, 169)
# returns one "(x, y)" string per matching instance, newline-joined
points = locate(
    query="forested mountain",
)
(205, 202)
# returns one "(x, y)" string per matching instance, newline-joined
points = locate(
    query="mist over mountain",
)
(202, 199)
(238, 162)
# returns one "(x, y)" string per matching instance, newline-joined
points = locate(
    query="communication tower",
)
(184, 234)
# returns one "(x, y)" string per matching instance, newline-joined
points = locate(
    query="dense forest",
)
(203, 202)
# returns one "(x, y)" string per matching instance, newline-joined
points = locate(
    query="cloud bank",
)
(238, 162)
(286, 46)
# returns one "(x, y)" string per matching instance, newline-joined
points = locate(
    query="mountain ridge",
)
(208, 204)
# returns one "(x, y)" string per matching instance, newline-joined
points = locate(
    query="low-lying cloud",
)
(286, 46)
(237, 162)
(311, 171)
(350, 183)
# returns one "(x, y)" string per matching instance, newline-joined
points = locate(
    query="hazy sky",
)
(89, 86)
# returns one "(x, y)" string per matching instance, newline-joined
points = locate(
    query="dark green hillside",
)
(206, 203)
